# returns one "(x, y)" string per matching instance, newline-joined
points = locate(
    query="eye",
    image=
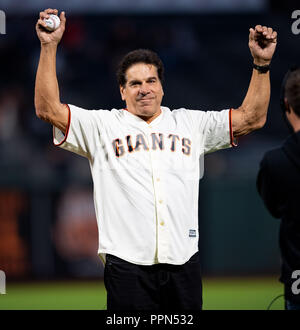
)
(134, 83)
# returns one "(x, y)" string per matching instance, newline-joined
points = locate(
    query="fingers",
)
(42, 23)
(62, 18)
(45, 14)
(274, 36)
(252, 34)
(263, 32)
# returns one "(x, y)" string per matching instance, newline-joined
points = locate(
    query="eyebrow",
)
(136, 81)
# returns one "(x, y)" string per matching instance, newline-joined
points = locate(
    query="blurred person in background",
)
(145, 167)
(278, 183)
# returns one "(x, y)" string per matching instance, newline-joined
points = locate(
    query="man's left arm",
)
(252, 114)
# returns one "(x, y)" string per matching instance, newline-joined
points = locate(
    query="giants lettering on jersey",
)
(158, 141)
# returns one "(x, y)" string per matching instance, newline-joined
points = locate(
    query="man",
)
(278, 184)
(145, 167)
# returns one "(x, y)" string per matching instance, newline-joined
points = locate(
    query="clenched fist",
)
(262, 44)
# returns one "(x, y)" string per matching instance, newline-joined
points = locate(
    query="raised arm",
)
(252, 114)
(46, 99)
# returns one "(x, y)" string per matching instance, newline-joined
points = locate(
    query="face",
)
(143, 91)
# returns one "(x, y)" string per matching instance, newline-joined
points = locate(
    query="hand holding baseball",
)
(262, 44)
(46, 36)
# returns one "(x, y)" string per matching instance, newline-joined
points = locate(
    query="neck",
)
(295, 122)
(150, 119)
(147, 118)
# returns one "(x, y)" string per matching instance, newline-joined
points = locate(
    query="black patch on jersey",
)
(192, 233)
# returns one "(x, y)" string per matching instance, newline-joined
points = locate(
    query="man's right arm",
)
(46, 99)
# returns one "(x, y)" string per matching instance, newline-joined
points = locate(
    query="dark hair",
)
(292, 90)
(139, 56)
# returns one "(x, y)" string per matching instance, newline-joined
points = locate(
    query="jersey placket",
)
(162, 223)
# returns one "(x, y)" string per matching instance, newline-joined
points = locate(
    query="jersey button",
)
(162, 223)
(160, 201)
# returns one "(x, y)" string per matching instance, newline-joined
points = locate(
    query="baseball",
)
(52, 22)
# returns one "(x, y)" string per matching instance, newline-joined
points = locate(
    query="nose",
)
(144, 89)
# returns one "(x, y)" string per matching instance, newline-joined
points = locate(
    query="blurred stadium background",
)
(48, 236)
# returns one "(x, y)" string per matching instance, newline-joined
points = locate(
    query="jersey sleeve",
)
(82, 133)
(214, 128)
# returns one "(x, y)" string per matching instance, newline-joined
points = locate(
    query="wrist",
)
(261, 68)
(261, 62)
(49, 49)
(49, 45)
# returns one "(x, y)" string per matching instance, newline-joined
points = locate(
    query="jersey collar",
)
(133, 119)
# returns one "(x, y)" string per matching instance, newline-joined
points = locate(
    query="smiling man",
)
(141, 86)
(145, 167)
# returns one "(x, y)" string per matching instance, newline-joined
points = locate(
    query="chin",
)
(146, 112)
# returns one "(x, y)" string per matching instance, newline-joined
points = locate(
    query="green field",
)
(218, 294)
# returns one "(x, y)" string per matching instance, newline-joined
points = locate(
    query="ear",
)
(286, 105)
(122, 91)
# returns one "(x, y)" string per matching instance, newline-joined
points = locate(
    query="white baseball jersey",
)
(146, 177)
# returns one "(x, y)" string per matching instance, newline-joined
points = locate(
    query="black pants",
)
(160, 287)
